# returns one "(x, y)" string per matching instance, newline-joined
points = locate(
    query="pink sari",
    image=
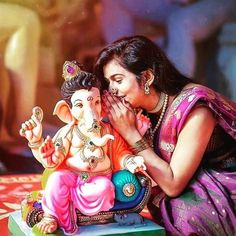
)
(208, 204)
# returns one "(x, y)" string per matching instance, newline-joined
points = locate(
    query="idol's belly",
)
(90, 163)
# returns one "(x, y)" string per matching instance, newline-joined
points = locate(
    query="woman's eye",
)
(118, 81)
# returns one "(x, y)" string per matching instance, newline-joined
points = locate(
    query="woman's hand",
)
(121, 115)
(143, 123)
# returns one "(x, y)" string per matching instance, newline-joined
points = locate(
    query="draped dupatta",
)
(223, 109)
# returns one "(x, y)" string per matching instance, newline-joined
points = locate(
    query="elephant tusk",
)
(101, 141)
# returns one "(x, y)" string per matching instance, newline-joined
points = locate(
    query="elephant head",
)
(85, 113)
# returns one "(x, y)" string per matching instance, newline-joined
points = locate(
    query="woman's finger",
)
(122, 103)
(108, 105)
(114, 101)
(127, 105)
(112, 109)
(117, 101)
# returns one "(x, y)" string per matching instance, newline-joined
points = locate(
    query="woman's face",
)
(124, 82)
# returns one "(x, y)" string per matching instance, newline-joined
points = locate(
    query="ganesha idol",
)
(87, 159)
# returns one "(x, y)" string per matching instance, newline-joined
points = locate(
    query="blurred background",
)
(37, 36)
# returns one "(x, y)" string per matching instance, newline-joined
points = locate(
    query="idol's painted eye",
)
(80, 105)
(97, 102)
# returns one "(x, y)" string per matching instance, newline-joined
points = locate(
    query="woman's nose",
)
(114, 91)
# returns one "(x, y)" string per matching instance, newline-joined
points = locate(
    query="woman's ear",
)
(148, 77)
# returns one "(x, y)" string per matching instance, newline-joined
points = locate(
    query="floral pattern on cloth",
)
(208, 204)
(13, 189)
(224, 110)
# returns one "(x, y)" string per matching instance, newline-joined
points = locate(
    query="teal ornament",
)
(127, 186)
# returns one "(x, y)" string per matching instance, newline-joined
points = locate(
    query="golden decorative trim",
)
(128, 189)
(70, 70)
(85, 175)
(36, 214)
(108, 216)
(169, 147)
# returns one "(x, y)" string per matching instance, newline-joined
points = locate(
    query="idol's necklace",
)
(164, 106)
(88, 144)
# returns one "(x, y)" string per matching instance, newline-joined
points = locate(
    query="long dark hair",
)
(137, 54)
(82, 80)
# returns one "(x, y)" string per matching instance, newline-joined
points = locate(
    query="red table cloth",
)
(13, 189)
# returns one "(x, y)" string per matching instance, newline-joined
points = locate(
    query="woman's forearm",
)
(158, 169)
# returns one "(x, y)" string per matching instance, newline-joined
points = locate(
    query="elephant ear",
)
(62, 110)
(104, 115)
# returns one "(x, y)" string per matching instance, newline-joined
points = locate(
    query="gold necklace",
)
(159, 104)
(152, 131)
(92, 160)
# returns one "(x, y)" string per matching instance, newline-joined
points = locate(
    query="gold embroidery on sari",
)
(190, 98)
(180, 98)
(169, 147)
(178, 114)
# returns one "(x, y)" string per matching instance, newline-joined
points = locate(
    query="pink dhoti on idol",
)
(67, 191)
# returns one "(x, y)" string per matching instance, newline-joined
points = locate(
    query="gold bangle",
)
(35, 145)
(139, 146)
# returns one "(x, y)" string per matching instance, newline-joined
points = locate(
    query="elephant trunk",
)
(101, 141)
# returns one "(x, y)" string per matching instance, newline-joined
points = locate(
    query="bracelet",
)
(139, 146)
(35, 145)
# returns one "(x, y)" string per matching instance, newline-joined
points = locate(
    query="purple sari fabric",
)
(208, 204)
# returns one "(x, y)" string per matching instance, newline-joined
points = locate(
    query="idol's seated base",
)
(132, 192)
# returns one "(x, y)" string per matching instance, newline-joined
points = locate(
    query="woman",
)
(190, 150)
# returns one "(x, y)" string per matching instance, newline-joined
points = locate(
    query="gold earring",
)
(146, 88)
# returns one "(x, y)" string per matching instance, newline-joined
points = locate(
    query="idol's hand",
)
(51, 155)
(32, 128)
(135, 164)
